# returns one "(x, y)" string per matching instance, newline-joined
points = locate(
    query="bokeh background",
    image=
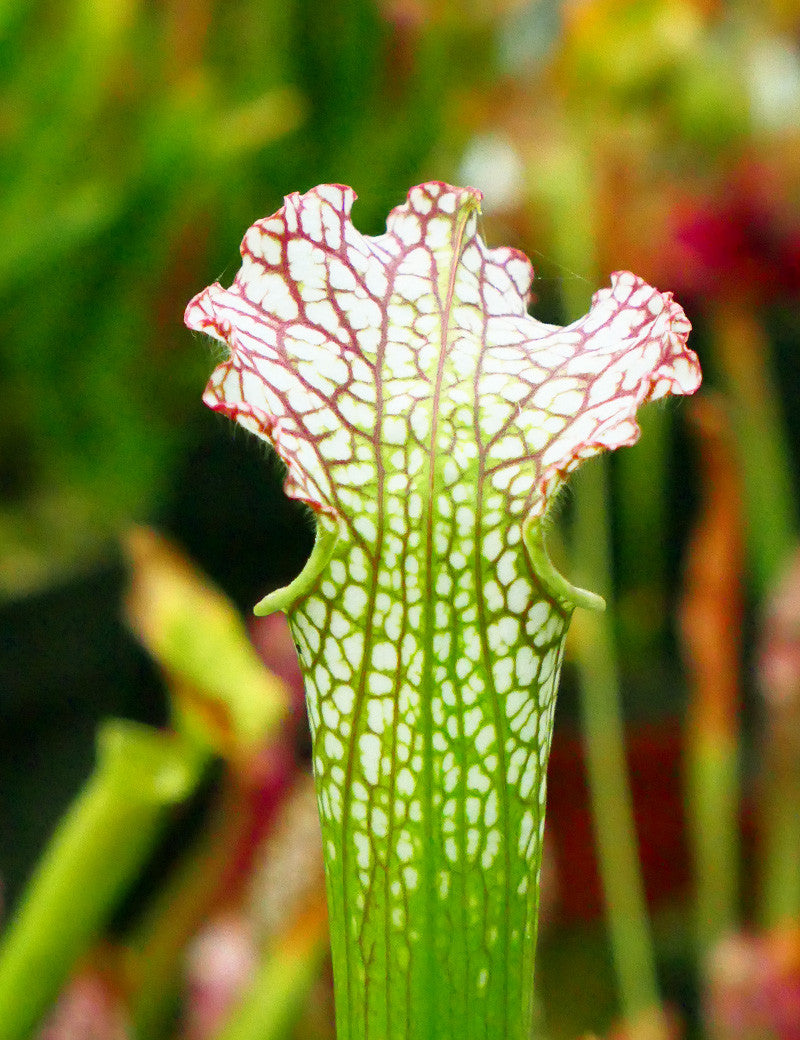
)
(137, 142)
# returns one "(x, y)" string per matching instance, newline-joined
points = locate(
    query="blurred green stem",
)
(611, 801)
(97, 850)
(743, 351)
(642, 478)
(712, 788)
(567, 188)
(771, 533)
(780, 820)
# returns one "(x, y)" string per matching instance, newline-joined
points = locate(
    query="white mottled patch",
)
(379, 822)
(501, 672)
(339, 625)
(506, 568)
(404, 847)
(375, 719)
(490, 809)
(354, 601)
(380, 684)
(358, 565)
(384, 657)
(317, 611)
(344, 699)
(477, 780)
(525, 831)
(334, 748)
(485, 739)
(330, 716)
(472, 810)
(518, 595)
(366, 528)
(405, 782)
(493, 595)
(353, 646)
(441, 645)
(363, 850)
(471, 720)
(525, 665)
(369, 747)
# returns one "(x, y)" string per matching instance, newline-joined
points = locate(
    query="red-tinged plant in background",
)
(429, 421)
(711, 625)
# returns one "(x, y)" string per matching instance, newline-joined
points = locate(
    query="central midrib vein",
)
(427, 971)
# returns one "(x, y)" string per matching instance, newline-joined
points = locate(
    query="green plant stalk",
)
(780, 834)
(609, 791)
(712, 795)
(641, 477)
(94, 855)
(780, 892)
(569, 196)
(743, 350)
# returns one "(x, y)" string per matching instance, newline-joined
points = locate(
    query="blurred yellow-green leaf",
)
(222, 694)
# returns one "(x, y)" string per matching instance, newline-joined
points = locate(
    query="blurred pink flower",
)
(753, 987)
(743, 241)
(221, 962)
(88, 1009)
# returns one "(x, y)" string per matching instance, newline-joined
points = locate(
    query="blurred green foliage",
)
(137, 141)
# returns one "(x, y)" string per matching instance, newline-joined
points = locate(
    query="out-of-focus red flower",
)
(743, 242)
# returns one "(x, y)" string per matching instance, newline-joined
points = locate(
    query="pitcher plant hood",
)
(359, 357)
